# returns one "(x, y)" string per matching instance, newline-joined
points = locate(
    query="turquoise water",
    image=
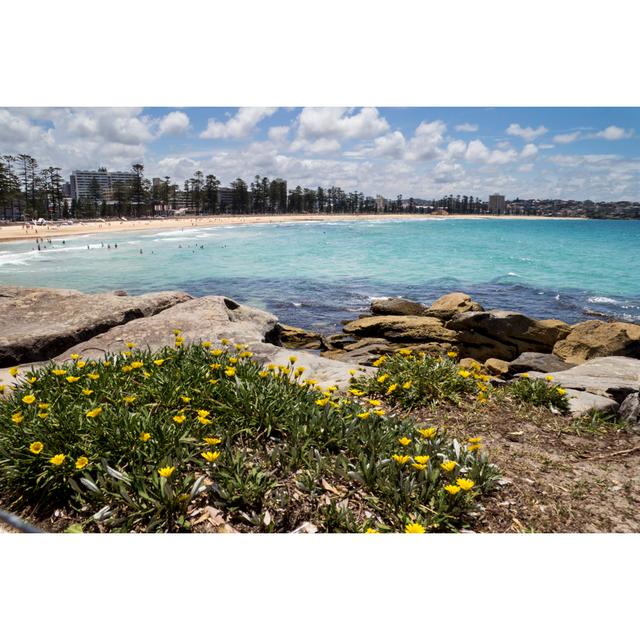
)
(316, 274)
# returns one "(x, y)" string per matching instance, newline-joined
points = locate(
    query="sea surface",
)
(318, 274)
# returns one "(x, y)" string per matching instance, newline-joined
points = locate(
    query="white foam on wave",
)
(602, 300)
(297, 304)
(514, 275)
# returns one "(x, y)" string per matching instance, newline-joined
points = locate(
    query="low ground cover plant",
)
(539, 392)
(137, 441)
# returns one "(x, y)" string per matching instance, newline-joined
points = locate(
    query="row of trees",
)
(29, 191)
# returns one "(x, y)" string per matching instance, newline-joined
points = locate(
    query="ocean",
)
(318, 274)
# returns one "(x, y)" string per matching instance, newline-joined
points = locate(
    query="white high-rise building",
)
(497, 204)
(81, 181)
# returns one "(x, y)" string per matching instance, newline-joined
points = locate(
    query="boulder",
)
(208, 318)
(297, 338)
(38, 323)
(516, 331)
(543, 362)
(630, 411)
(595, 338)
(338, 340)
(615, 377)
(496, 366)
(397, 307)
(469, 363)
(581, 402)
(401, 329)
(449, 305)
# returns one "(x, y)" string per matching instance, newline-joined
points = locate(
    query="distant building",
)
(380, 204)
(497, 204)
(80, 181)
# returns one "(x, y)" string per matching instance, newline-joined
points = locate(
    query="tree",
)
(239, 196)
(138, 194)
(211, 187)
(95, 193)
(9, 185)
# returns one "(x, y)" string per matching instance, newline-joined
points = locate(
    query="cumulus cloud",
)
(529, 151)
(278, 134)
(319, 146)
(173, 123)
(566, 138)
(17, 128)
(527, 133)
(477, 151)
(238, 126)
(466, 127)
(613, 133)
(338, 123)
(391, 145)
(446, 171)
(427, 141)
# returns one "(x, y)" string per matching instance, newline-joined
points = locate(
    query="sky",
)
(565, 153)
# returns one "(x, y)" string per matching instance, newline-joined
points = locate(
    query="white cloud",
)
(238, 126)
(526, 168)
(17, 128)
(527, 133)
(613, 133)
(566, 138)
(456, 149)
(529, 151)
(467, 127)
(336, 122)
(425, 144)
(178, 169)
(391, 145)
(278, 134)
(320, 146)
(447, 172)
(173, 123)
(477, 151)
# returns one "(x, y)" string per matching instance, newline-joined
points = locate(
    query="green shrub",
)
(137, 441)
(539, 393)
(416, 380)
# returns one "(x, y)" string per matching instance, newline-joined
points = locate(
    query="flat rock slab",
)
(613, 376)
(38, 324)
(543, 362)
(401, 328)
(581, 402)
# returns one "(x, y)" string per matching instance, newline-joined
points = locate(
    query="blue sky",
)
(423, 152)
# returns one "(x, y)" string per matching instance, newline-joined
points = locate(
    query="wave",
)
(602, 300)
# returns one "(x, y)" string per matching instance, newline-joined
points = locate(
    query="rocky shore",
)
(597, 362)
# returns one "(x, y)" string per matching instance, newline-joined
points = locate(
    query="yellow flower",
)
(165, 472)
(448, 465)
(421, 459)
(206, 344)
(212, 441)
(407, 385)
(14, 371)
(374, 403)
(81, 365)
(230, 371)
(36, 447)
(293, 359)
(129, 399)
(58, 372)
(106, 363)
(428, 433)
(400, 459)
(548, 378)
(177, 332)
(414, 527)
(94, 412)
(32, 379)
(451, 488)
(464, 373)
(210, 456)
(87, 392)
(2, 387)
(28, 399)
(72, 378)
(126, 368)
(126, 353)
(93, 376)
(300, 370)
(216, 352)
(215, 365)
(310, 382)
(145, 436)
(263, 374)
(75, 356)
(405, 352)
(383, 378)
(43, 414)
(322, 402)
(524, 375)
(248, 354)
(239, 346)
(224, 341)
(465, 484)
(233, 360)
(214, 381)
(159, 362)
(130, 345)
(203, 420)
(285, 370)
(179, 342)
(379, 412)
(137, 364)
(452, 354)
(43, 405)
(404, 441)
(179, 419)
(352, 372)
(17, 418)
(364, 415)
(379, 361)
(58, 459)
(481, 398)
(392, 388)
(560, 391)
(356, 392)
(475, 440)
(185, 399)
(419, 467)
(473, 447)
(82, 462)
(370, 530)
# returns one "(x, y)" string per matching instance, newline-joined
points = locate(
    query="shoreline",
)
(18, 232)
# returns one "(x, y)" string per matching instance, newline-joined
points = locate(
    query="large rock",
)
(298, 338)
(581, 402)
(630, 411)
(496, 366)
(615, 377)
(452, 303)
(401, 329)
(595, 338)
(543, 362)
(209, 318)
(397, 307)
(37, 324)
(517, 332)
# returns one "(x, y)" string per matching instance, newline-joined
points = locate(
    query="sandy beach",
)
(14, 232)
